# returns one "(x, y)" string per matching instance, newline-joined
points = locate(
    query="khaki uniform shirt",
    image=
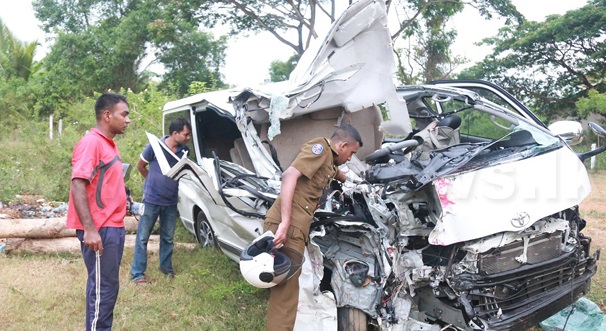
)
(316, 161)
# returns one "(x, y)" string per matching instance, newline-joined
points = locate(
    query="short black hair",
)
(107, 101)
(348, 134)
(178, 125)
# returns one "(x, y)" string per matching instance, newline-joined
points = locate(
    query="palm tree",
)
(16, 57)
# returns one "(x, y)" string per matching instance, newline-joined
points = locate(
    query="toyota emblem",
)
(520, 220)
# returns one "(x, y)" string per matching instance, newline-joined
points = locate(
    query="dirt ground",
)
(593, 210)
(596, 199)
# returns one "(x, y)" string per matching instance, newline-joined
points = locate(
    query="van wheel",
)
(204, 232)
(351, 319)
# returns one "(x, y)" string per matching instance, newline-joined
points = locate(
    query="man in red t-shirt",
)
(97, 206)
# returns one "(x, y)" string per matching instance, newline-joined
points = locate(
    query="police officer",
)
(290, 216)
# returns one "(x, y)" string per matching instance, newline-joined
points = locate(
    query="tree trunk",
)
(46, 228)
(72, 245)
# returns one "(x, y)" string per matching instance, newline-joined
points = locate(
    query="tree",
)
(423, 23)
(278, 17)
(595, 102)
(16, 57)
(110, 43)
(194, 57)
(550, 65)
(424, 27)
(428, 55)
(280, 70)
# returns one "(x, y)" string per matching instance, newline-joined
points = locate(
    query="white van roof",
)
(219, 99)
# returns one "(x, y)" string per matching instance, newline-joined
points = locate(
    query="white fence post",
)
(60, 127)
(50, 127)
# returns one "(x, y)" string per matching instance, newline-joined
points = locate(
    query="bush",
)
(32, 163)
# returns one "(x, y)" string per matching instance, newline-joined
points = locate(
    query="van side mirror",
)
(598, 130)
(570, 131)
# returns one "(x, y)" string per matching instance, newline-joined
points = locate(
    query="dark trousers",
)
(103, 282)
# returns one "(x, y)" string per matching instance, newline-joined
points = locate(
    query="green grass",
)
(594, 214)
(46, 292)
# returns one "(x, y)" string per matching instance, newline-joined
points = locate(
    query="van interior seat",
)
(235, 156)
(241, 155)
(297, 131)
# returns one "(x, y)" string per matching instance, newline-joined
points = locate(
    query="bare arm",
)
(287, 191)
(340, 176)
(142, 167)
(92, 239)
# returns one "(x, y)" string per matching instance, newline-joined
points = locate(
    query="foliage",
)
(196, 57)
(197, 88)
(594, 103)
(431, 53)
(16, 57)
(25, 142)
(32, 163)
(280, 70)
(550, 65)
(422, 23)
(110, 43)
(15, 97)
(280, 18)
(424, 27)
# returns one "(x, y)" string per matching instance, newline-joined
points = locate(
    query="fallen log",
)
(47, 228)
(71, 245)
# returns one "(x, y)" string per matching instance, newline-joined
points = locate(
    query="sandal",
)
(141, 281)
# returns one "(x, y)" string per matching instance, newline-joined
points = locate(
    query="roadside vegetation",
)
(32, 163)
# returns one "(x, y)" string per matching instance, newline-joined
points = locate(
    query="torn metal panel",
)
(317, 311)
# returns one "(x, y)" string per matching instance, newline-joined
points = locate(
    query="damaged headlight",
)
(357, 272)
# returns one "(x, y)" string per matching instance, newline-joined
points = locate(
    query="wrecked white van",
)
(465, 218)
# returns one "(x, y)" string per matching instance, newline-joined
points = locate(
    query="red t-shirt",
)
(97, 160)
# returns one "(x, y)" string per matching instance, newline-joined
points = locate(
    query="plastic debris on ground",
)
(585, 315)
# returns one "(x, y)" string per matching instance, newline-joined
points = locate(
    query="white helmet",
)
(264, 266)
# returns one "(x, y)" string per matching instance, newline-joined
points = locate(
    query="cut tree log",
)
(71, 245)
(47, 228)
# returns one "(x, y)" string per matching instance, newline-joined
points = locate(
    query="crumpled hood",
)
(352, 67)
(508, 197)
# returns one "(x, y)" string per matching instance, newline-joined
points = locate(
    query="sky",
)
(248, 57)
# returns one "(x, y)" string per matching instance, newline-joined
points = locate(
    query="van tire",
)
(204, 232)
(351, 319)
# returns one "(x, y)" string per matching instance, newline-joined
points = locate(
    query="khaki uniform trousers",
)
(284, 298)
